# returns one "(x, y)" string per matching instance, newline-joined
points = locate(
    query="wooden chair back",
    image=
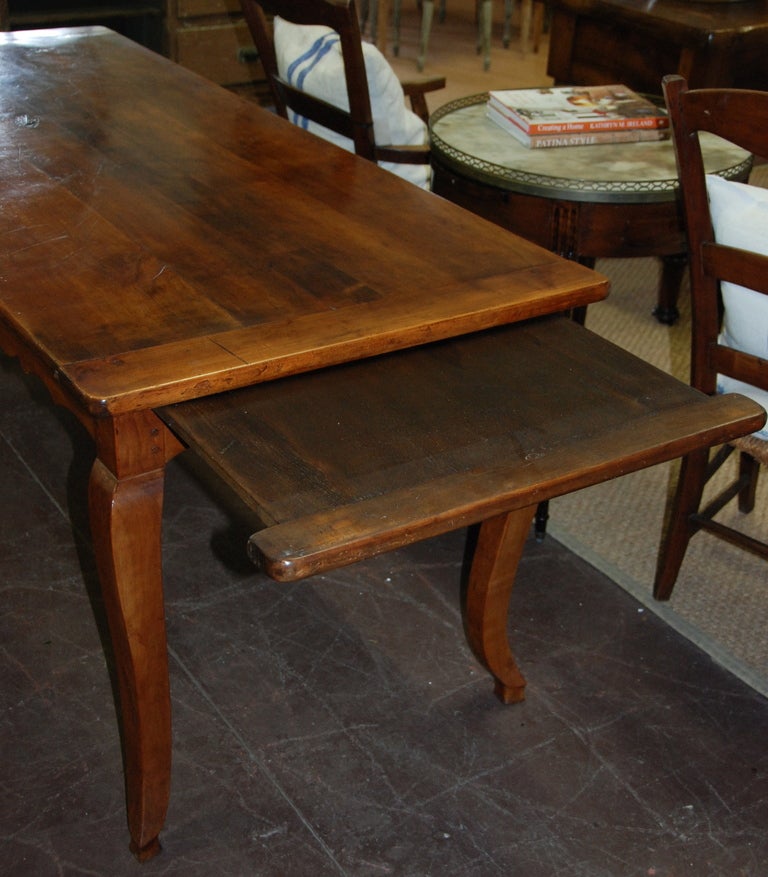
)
(355, 123)
(741, 117)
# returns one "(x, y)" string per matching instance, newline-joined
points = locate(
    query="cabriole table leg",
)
(486, 608)
(126, 517)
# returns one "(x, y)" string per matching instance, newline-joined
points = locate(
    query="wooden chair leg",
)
(540, 524)
(485, 15)
(380, 23)
(526, 20)
(507, 32)
(486, 604)
(749, 469)
(680, 529)
(427, 13)
(537, 25)
(398, 6)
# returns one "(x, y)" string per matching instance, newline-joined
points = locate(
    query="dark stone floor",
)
(341, 726)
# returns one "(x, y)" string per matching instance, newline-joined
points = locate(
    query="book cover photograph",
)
(577, 109)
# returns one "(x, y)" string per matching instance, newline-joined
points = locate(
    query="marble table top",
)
(463, 138)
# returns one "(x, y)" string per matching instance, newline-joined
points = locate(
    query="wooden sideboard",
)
(636, 42)
(207, 36)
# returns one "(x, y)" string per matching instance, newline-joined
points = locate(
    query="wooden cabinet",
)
(637, 42)
(140, 20)
(207, 36)
(211, 38)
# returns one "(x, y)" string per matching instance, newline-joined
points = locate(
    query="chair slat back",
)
(341, 16)
(741, 117)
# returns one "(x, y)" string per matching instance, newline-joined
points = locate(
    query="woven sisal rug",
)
(721, 597)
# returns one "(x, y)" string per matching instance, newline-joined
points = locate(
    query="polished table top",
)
(167, 242)
(464, 138)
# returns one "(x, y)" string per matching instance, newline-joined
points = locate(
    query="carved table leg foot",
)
(148, 852)
(499, 547)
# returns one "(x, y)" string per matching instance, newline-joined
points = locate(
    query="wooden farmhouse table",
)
(165, 241)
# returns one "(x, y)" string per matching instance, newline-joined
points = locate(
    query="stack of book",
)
(577, 115)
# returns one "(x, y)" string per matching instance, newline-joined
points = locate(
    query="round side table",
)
(583, 202)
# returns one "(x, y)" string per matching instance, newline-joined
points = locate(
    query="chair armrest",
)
(418, 154)
(416, 89)
(422, 84)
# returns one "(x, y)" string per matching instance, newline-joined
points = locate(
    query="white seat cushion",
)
(309, 58)
(740, 219)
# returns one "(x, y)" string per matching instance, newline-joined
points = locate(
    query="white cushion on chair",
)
(309, 57)
(740, 219)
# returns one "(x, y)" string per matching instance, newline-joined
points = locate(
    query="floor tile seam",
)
(31, 472)
(258, 761)
(583, 736)
(476, 781)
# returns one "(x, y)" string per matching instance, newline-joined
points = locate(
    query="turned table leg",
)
(497, 554)
(125, 505)
(672, 271)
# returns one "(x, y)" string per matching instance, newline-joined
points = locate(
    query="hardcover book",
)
(577, 109)
(575, 138)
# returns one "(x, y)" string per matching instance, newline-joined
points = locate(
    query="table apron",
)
(571, 228)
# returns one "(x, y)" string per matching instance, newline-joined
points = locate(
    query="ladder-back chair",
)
(348, 115)
(728, 249)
